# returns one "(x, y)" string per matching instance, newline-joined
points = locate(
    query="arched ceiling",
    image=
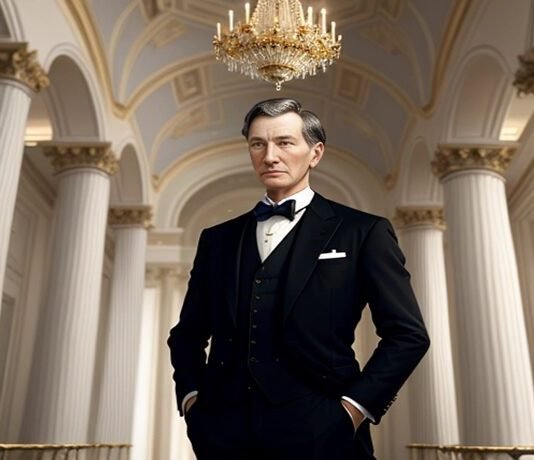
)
(155, 60)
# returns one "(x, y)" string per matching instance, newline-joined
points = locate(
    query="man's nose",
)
(271, 154)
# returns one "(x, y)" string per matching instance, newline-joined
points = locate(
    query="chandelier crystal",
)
(277, 43)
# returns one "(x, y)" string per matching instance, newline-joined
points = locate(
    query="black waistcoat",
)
(261, 288)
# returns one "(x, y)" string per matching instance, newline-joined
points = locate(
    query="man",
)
(279, 291)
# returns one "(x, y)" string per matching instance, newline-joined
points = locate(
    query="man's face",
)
(280, 156)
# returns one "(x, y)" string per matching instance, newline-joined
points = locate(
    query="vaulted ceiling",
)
(155, 59)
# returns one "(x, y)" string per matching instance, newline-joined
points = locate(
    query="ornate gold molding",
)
(453, 158)
(17, 63)
(5, 447)
(523, 450)
(407, 217)
(96, 155)
(524, 75)
(86, 25)
(139, 216)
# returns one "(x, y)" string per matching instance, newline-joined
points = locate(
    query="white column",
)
(114, 421)
(20, 75)
(59, 395)
(497, 395)
(432, 395)
(172, 441)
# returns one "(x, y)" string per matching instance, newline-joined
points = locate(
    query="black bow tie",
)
(263, 211)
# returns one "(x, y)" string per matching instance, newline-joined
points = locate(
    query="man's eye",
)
(284, 143)
(256, 145)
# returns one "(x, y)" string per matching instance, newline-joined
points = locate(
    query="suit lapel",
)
(235, 248)
(318, 225)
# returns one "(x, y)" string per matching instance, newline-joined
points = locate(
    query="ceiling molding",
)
(447, 46)
(149, 34)
(118, 28)
(87, 28)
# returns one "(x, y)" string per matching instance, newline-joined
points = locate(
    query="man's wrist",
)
(356, 416)
(189, 403)
(186, 398)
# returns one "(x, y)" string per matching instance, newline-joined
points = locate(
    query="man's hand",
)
(189, 403)
(356, 415)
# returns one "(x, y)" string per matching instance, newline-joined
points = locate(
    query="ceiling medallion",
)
(277, 43)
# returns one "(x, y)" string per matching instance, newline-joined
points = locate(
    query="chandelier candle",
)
(277, 43)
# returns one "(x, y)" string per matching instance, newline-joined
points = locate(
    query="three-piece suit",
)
(281, 331)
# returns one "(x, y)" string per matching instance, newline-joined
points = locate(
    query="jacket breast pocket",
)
(333, 272)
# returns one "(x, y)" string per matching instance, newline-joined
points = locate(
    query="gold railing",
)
(434, 452)
(64, 451)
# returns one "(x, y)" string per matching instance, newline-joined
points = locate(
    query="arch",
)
(340, 176)
(128, 186)
(232, 195)
(74, 99)
(10, 24)
(419, 186)
(478, 97)
(130, 144)
(360, 123)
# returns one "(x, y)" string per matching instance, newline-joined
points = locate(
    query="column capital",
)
(524, 75)
(130, 216)
(66, 156)
(17, 63)
(413, 216)
(453, 158)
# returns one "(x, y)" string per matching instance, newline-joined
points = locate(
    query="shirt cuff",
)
(362, 409)
(187, 397)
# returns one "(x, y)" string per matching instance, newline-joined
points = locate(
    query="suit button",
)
(277, 360)
(221, 363)
(254, 326)
(255, 310)
(253, 342)
(230, 340)
(323, 377)
(253, 360)
(258, 281)
(257, 297)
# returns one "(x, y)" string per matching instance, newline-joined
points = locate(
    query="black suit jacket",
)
(322, 305)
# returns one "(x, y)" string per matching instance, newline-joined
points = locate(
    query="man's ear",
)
(318, 151)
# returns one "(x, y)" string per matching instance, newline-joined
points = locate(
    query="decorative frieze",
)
(130, 216)
(453, 158)
(416, 216)
(17, 63)
(96, 155)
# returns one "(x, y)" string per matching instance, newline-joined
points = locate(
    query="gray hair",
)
(312, 129)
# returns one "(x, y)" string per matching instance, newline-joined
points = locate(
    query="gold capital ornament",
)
(453, 158)
(131, 216)
(96, 155)
(412, 216)
(17, 63)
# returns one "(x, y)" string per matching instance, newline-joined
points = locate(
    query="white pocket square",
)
(332, 255)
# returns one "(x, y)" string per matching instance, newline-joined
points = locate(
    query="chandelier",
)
(277, 43)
